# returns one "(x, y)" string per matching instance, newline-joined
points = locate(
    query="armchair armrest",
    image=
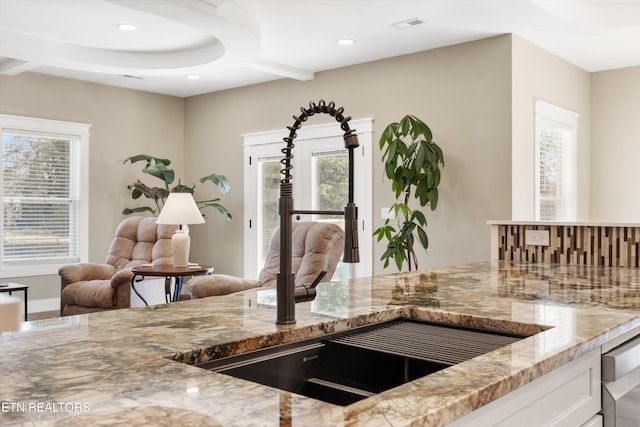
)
(218, 284)
(122, 276)
(125, 274)
(85, 271)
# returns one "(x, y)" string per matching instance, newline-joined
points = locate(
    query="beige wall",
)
(615, 146)
(463, 93)
(538, 74)
(466, 93)
(124, 123)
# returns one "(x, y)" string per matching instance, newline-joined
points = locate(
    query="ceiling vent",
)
(407, 23)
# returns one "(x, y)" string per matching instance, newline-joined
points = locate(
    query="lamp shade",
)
(180, 208)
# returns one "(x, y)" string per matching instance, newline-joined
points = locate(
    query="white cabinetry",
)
(566, 396)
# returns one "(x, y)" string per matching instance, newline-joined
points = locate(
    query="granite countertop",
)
(565, 223)
(128, 366)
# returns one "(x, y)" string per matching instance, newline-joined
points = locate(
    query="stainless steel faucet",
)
(288, 292)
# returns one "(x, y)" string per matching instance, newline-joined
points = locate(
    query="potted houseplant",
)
(412, 162)
(159, 168)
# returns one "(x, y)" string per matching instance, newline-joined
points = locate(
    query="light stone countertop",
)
(125, 367)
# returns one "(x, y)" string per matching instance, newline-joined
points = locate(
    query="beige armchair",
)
(315, 246)
(91, 287)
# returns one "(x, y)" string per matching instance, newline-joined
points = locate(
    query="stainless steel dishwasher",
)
(621, 385)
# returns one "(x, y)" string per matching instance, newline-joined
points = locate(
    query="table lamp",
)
(180, 209)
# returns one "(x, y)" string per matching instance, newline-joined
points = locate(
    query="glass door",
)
(320, 179)
(268, 219)
(327, 172)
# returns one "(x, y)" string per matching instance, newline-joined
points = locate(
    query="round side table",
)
(167, 271)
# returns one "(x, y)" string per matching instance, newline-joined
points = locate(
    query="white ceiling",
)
(233, 43)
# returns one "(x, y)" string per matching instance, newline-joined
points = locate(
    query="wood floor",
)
(44, 315)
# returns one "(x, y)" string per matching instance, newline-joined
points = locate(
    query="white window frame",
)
(263, 143)
(80, 132)
(548, 114)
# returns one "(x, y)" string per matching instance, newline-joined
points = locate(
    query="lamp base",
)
(180, 245)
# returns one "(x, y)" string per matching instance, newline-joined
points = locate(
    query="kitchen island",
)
(134, 366)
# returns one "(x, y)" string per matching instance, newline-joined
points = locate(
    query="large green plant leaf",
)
(424, 240)
(128, 211)
(139, 189)
(433, 199)
(156, 166)
(160, 171)
(388, 135)
(141, 157)
(219, 180)
(419, 217)
(217, 206)
(181, 188)
(405, 125)
(418, 163)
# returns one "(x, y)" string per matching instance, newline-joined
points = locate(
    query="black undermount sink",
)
(345, 367)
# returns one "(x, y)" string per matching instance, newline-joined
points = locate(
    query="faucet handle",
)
(303, 293)
(318, 279)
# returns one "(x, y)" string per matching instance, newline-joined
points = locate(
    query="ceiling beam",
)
(282, 70)
(13, 67)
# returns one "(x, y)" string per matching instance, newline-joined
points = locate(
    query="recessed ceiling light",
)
(193, 77)
(126, 27)
(346, 42)
(407, 23)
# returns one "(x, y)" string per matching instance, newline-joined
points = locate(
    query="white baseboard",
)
(47, 304)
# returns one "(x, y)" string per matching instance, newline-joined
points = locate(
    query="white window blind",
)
(556, 163)
(43, 217)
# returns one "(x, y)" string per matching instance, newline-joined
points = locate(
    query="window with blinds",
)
(40, 181)
(556, 163)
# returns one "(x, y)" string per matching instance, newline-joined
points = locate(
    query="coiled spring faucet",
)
(288, 292)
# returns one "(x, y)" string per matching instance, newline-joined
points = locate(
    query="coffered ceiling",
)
(222, 44)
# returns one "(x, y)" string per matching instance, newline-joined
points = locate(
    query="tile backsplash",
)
(613, 246)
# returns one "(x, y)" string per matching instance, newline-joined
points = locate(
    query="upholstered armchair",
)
(315, 246)
(89, 287)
